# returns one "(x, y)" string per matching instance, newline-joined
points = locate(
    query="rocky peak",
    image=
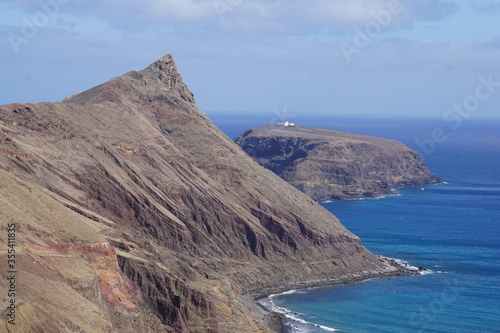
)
(158, 81)
(165, 70)
(190, 219)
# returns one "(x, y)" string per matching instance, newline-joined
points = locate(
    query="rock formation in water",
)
(134, 213)
(331, 165)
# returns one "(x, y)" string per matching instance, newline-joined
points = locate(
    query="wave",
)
(405, 264)
(295, 324)
(292, 322)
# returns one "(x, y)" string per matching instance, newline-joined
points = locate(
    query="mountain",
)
(129, 211)
(331, 165)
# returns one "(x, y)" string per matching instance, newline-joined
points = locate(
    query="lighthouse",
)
(287, 124)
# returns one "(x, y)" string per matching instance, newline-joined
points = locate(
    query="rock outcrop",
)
(331, 165)
(134, 213)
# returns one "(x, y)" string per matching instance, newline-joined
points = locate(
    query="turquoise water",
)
(452, 229)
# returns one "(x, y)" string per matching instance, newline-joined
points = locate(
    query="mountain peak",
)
(149, 219)
(159, 79)
(164, 64)
(165, 70)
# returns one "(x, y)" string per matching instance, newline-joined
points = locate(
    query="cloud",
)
(247, 18)
(485, 6)
(334, 13)
(430, 10)
(182, 10)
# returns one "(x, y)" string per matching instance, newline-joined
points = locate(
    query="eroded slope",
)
(134, 206)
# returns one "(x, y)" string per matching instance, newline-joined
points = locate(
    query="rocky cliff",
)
(331, 165)
(134, 213)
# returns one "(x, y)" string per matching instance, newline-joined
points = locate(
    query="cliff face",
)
(134, 213)
(331, 165)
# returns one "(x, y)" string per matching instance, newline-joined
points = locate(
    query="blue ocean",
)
(452, 229)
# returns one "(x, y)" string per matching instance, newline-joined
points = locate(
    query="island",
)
(331, 165)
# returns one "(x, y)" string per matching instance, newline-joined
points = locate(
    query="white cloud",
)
(244, 19)
(485, 6)
(181, 10)
(340, 12)
(274, 48)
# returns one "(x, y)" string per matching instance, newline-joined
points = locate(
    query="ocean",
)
(453, 229)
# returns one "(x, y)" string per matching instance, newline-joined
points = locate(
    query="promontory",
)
(331, 165)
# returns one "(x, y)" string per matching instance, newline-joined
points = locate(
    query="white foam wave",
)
(406, 264)
(296, 329)
(425, 272)
(295, 324)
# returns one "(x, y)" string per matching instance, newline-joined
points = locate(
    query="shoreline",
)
(276, 321)
(393, 192)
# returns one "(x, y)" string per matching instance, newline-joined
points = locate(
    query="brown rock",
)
(134, 213)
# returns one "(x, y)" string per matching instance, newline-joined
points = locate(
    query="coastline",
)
(276, 321)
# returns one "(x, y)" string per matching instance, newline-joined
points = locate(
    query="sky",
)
(396, 58)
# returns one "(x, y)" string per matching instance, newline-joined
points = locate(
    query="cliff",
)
(331, 165)
(134, 213)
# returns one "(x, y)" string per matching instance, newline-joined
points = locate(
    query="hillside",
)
(134, 213)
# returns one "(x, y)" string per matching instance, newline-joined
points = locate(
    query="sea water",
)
(453, 229)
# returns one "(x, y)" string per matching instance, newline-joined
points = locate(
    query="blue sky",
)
(401, 58)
